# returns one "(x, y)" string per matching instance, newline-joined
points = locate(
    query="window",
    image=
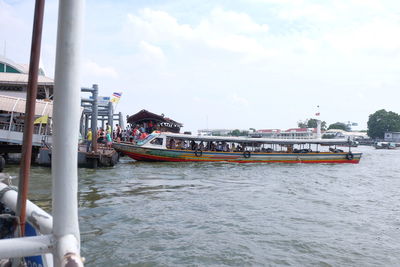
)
(11, 69)
(157, 141)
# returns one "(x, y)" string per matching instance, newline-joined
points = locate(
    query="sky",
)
(234, 64)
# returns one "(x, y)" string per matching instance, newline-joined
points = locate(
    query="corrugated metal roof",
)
(21, 78)
(15, 104)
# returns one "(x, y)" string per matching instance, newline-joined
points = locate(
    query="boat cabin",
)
(171, 141)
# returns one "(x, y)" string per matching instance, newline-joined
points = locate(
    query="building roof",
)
(22, 79)
(22, 68)
(15, 104)
(144, 115)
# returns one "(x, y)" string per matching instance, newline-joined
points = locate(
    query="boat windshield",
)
(147, 139)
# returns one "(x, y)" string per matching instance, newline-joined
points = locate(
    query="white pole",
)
(25, 246)
(318, 129)
(66, 115)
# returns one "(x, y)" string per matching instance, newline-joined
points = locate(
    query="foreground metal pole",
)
(23, 183)
(66, 115)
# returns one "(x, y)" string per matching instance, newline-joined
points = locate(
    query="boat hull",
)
(172, 155)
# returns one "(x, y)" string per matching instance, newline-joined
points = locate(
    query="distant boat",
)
(385, 145)
(189, 148)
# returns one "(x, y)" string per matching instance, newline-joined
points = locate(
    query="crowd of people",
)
(173, 143)
(130, 134)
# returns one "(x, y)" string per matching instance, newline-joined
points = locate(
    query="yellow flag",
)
(42, 120)
(114, 100)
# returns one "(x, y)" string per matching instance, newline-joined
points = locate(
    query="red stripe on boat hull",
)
(147, 157)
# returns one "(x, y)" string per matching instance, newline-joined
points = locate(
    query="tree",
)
(237, 132)
(383, 121)
(340, 126)
(302, 124)
(311, 123)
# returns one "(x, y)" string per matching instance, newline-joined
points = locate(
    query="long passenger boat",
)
(190, 148)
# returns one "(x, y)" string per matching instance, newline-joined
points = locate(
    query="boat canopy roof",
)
(258, 140)
(15, 104)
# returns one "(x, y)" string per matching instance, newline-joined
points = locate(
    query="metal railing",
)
(19, 127)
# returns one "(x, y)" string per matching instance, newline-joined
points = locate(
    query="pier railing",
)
(13, 133)
(19, 127)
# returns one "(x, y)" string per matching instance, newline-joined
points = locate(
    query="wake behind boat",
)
(190, 148)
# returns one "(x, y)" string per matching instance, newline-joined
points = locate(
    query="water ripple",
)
(219, 214)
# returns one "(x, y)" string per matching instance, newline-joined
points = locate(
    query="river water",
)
(224, 214)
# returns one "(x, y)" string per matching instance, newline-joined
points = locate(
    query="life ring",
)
(198, 152)
(246, 154)
(349, 156)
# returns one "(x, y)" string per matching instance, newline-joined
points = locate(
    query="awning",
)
(15, 104)
(144, 115)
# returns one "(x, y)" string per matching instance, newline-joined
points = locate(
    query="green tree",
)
(237, 132)
(302, 124)
(311, 123)
(382, 121)
(339, 125)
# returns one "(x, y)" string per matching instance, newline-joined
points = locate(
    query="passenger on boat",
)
(201, 145)
(180, 144)
(172, 143)
(185, 145)
(100, 136)
(118, 132)
(150, 126)
(212, 146)
(226, 147)
(218, 147)
(142, 129)
(136, 133)
(109, 140)
(125, 135)
(192, 145)
(108, 128)
(143, 136)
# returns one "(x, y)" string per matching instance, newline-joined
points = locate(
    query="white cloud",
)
(234, 22)
(379, 34)
(158, 26)
(312, 12)
(227, 30)
(238, 100)
(153, 51)
(92, 68)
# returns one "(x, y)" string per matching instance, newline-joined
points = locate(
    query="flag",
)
(114, 100)
(41, 120)
(115, 97)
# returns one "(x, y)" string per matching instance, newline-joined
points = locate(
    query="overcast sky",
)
(230, 64)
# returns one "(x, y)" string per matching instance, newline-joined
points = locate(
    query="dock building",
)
(293, 133)
(14, 80)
